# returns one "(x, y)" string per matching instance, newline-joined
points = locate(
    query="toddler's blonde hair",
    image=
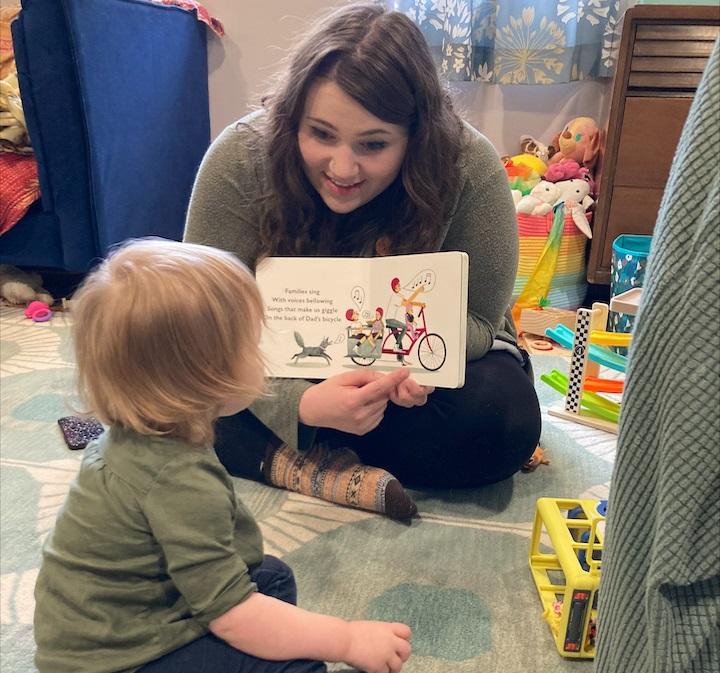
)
(165, 333)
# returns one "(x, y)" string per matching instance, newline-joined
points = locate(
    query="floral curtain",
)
(520, 41)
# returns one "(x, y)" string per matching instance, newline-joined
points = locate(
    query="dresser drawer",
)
(649, 135)
(670, 57)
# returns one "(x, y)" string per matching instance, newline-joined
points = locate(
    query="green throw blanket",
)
(659, 604)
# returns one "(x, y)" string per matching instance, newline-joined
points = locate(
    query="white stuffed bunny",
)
(576, 190)
(575, 194)
(540, 200)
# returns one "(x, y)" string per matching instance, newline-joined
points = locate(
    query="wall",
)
(259, 31)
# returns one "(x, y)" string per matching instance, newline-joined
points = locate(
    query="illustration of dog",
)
(311, 351)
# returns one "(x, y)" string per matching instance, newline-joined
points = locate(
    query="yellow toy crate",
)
(567, 570)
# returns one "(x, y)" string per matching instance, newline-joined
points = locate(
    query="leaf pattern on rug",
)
(29, 346)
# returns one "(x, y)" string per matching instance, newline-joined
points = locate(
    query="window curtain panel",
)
(520, 41)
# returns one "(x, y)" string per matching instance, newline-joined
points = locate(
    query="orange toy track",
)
(602, 385)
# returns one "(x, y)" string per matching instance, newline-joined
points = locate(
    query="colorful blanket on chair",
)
(202, 14)
(19, 186)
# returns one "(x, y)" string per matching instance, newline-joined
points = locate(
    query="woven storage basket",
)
(569, 283)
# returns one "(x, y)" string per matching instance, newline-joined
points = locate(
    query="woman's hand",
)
(354, 402)
(409, 393)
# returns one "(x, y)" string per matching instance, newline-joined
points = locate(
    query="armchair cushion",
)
(116, 102)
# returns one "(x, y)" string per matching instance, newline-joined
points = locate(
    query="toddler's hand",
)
(378, 647)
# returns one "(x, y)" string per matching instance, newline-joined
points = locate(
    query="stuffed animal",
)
(580, 141)
(540, 200)
(530, 162)
(22, 287)
(533, 147)
(569, 170)
(575, 191)
(575, 194)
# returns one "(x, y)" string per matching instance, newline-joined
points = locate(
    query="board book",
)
(328, 315)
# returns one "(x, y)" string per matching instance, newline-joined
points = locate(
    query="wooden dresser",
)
(663, 52)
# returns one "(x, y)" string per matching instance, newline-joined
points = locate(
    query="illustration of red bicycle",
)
(431, 351)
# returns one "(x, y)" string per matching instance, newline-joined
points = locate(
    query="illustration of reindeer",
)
(311, 351)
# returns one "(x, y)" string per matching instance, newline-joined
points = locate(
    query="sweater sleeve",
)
(483, 223)
(224, 213)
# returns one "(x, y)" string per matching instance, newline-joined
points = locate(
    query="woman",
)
(359, 152)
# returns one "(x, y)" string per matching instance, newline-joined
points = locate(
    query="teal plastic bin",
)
(629, 261)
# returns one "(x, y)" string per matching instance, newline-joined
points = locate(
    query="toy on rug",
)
(21, 287)
(536, 460)
(567, 540)
(38, 311)
(582, 387)
(538, 319)
(581, 141)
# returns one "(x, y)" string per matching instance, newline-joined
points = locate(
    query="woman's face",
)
(349, 155)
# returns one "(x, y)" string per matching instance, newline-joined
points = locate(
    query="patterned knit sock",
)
(336, 475)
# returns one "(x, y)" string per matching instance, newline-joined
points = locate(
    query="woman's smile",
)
(342, 188)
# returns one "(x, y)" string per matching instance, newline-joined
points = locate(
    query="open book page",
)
(329, 315)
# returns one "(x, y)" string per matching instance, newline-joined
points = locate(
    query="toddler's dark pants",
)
(212, 655)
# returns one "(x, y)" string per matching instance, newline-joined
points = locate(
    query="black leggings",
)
(479, 434)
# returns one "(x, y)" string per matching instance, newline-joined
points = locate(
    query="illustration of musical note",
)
(426, 278)
(358, 296)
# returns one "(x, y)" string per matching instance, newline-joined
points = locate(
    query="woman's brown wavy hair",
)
(380, 59)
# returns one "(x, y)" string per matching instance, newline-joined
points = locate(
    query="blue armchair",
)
(115, 94)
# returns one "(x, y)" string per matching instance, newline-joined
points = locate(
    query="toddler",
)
(153, 564)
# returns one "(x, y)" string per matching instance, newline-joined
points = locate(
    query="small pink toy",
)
(39, 311)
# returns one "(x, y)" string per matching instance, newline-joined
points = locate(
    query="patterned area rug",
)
(458, 574)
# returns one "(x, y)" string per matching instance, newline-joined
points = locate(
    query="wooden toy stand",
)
(582, 403)
(581, 366)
